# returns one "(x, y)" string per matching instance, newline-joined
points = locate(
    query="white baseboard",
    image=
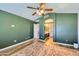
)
(59, 43)
(6, 48)
(64, 44)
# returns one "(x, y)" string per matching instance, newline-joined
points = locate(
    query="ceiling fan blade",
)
(48, 9)
(33, 13)
(31, 7)
(42, 5)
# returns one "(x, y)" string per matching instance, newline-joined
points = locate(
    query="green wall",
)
(41, 22)
(41, 29)
(22, 31)
(65, 28)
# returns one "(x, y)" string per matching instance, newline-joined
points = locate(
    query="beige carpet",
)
(48, 48)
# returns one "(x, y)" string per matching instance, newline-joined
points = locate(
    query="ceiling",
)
(22, 10)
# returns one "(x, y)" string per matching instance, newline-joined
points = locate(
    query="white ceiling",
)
(22, 10)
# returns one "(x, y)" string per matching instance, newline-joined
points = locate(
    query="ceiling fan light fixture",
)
(42, 11)
(42, 14)
(39, 13)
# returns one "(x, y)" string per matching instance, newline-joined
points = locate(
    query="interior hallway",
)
(48, 48)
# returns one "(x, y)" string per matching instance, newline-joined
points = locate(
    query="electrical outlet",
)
(15, 40)
(66, 40)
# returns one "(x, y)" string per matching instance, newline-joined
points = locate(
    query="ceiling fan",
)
(41, 9)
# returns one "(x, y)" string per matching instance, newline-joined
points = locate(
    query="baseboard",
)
(41, 40)
(6, 48)
(59, 43)
(30, 40)
(64, 44)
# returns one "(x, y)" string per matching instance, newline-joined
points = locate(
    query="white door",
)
(51, 29)
(36, 30)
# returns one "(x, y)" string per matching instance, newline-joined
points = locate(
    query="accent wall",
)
(14, 29)
(65, 27)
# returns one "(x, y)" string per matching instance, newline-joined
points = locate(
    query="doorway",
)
(49, 29)
(36, 30)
